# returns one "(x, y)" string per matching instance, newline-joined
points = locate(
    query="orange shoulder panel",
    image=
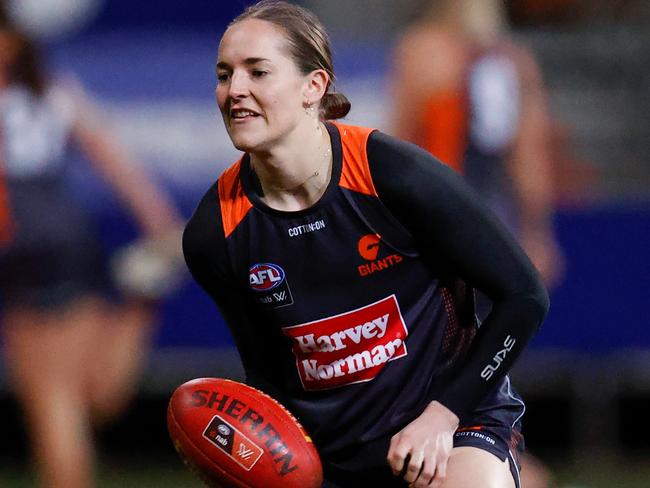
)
(6, 220)
(234, 202)
(444, 127)
(355, 174)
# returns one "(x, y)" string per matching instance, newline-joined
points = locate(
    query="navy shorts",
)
(494, 439)
(495, 428)
(55, 255)
(51, 276)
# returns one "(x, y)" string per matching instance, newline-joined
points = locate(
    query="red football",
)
(232, 435)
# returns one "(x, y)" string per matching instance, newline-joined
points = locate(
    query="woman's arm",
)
(206, 256)
(449, 222)
(530, 168)
(151, 207)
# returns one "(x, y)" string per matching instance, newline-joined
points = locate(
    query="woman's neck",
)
(295, 175)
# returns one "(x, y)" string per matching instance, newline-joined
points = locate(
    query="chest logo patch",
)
(270, 285)
(235, 444)
(368, 248)
(266, 276)
(351, 347)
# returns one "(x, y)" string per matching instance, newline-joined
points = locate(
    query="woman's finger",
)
(397, 454)
(414, 466)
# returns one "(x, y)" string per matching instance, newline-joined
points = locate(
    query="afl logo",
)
(266, 276)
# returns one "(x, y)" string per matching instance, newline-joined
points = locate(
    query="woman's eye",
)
(222, 77)
(259, 73)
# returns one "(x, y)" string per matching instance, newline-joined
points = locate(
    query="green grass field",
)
(170, 473)
(599, 475)
(133, 474)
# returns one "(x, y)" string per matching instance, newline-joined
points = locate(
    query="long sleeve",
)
(447, 220)
(204, 248)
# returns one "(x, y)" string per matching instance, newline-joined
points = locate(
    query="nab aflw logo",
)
(368, 248)
(225, 437)
(243, 452)
(270, 284)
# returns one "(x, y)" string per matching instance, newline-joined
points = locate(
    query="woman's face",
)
(260, 89)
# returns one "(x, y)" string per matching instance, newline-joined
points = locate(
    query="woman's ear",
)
(316, 86)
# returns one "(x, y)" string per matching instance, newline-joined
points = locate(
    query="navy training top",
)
(357, 312)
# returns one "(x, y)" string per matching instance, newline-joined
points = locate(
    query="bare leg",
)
(470, 466)
(46, 358)
(534, 474)
(122, 344)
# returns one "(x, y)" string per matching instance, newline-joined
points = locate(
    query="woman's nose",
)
(238, 85)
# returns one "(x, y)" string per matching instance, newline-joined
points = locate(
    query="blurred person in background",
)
(72, 353)
(472, 97)
(475, 99)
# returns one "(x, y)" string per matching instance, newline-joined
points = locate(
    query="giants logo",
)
(269, 281)
(235, 444)
(348, 348)
(368, 248)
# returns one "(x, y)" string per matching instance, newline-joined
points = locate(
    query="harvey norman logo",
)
(352, 347)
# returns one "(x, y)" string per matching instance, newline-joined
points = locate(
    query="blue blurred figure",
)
(72, 354)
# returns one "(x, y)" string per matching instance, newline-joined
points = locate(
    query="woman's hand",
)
(420, 451)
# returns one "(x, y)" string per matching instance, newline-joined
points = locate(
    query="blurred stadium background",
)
(586, 376)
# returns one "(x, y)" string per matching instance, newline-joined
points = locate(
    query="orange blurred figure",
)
(475, 99)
